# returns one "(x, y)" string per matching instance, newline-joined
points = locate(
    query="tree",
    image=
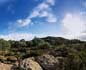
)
(22, 43)
(44, 46)
(37, 41)
(4, 45)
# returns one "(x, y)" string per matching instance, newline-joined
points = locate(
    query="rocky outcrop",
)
(5, 66)
(48, 62)
(26, 64)
(30, 64)
(44, 62)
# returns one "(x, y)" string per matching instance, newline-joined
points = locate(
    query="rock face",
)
(48, 62)
(27, 64)
(44, 62)
(5, 66)
(30, 64)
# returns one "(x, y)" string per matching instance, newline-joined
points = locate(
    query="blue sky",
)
(28, 18)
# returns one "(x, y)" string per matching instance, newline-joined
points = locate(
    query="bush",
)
(11, 58)
(10, 54)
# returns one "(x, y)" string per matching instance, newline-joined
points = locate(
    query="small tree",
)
(37, 41)
(4, 45)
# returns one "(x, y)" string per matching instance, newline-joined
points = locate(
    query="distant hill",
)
(61, 40)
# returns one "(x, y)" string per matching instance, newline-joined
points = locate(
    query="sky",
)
(26, 19)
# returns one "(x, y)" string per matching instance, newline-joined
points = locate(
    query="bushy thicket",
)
(73, 52)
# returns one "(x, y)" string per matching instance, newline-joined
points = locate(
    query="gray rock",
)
(30, 64)
(48, 62)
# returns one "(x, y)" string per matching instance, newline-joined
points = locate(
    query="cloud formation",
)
(73, 26)
(24, 22)
(43, 10)
(17, 36)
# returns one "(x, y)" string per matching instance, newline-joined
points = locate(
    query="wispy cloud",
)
(43, 10)
(17, 36)
(73, 27)
(10, 9)
(24, 22)
(84, 3)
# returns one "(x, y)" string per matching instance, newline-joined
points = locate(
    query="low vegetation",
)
(72, 52)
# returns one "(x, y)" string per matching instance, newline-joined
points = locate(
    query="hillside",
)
(49, 53)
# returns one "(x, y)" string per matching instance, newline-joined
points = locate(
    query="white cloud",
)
(24, 22)
(84, 3)
(73, 25)
(83, 36)
(17, 36)
(43, 10)
(51, 18)
(52, 2)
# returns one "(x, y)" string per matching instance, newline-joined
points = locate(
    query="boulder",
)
(30, 64)
(48, 62)
(5, 66)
